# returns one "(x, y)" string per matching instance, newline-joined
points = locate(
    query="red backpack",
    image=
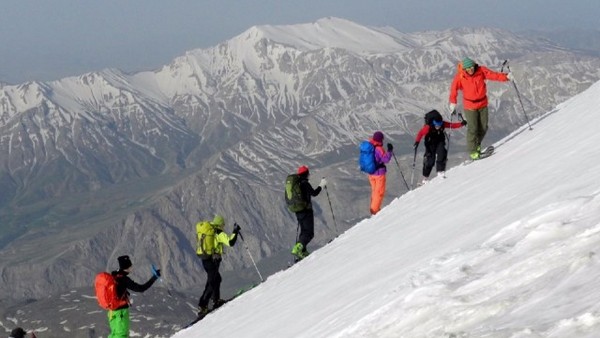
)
(106, 292)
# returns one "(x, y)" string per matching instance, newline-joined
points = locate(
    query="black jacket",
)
(125, 283)
(307, 191)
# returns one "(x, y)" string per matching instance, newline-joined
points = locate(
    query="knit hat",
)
(378, 137)
(218, 221)
(467, 63)
(124, 262)
(18, 333)
(303, 169)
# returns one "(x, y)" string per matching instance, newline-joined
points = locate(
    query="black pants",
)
(212, 289)
(437, 154)
(306, 221)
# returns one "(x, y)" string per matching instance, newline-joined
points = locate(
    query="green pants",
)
(118, 320)
(477, 125)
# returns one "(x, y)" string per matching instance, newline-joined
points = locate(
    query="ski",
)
(487, 152)
(238, 293)
(195, 321)
(293, 261)
(241, 291)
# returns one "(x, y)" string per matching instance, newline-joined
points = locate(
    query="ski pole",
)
(448, 134)
(401, 174)
(459, 118)
(412, 176)
(155, 273)
(251, 258)
(505, 63)
(332, 214)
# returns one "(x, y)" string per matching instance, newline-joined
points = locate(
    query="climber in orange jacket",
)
(470, 78)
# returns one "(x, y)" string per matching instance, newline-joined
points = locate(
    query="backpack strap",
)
(379, 165)
(125, 296)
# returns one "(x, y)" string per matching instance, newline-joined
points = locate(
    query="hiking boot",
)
(425, 180)
(441, 174)
(475, 155)
(297, 250)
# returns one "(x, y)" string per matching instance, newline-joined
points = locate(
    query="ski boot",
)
(202, 312)
(218, 303)
(297, 250)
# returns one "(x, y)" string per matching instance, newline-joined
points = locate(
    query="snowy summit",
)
(334, 32)
(504, 247)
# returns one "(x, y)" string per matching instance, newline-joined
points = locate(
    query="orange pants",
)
(377, 192)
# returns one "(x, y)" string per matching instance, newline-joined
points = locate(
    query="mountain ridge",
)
(128, 163)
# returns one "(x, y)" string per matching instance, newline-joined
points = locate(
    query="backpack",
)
(106, 292)
(433, 115)
(366, 160)
(206, 239)
(293, 194)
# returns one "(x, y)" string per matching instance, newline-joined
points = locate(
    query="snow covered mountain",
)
(504, 247)
(108, 163)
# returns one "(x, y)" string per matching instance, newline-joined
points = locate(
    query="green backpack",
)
(206, 239)
(293, 195)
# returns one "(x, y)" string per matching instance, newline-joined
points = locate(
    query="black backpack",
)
(433, 115)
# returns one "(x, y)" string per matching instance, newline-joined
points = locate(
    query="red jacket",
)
(425, 130)
(473, 86)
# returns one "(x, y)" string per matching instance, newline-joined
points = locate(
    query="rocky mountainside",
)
(108, 163)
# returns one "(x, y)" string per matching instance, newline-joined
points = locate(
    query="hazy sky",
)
(51, 39)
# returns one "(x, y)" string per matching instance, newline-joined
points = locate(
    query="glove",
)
(463, 122)
(236, 228)
(323, 183)
(510, 77)
(452, 107)
(416, 145)
(390, 147)
(155, 271)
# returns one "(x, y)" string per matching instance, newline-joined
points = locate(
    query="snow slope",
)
(504, 247)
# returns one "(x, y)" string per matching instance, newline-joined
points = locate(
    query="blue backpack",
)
(366, 159)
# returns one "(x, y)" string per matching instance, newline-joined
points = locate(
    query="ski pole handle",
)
(505, 63)
(414, 158)
(155, 273)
